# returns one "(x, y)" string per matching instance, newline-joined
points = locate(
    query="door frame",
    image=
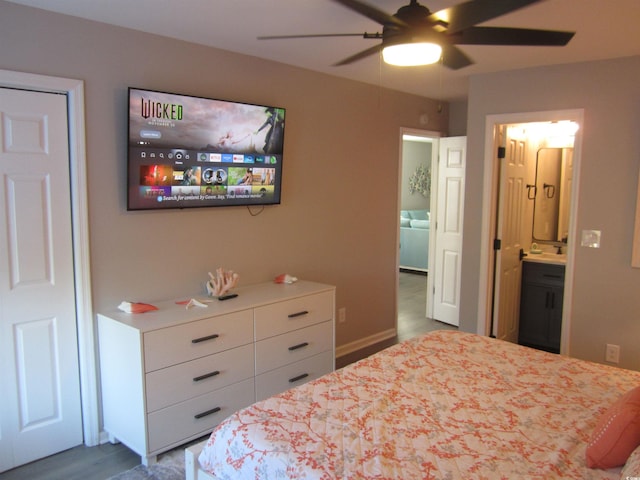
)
(74, 90)
(489, 196)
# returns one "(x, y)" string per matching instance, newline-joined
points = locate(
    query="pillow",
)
(405, 222)
(632, 467)
(420, 223)
(617, 433)
(419, 214)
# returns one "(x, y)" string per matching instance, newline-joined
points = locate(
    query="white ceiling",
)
(604, 29)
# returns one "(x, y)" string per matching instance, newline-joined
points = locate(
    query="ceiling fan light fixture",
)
(412, 54)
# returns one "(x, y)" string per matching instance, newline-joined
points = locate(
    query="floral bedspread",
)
(447, 405)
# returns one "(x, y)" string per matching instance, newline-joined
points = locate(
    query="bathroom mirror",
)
(551, 195)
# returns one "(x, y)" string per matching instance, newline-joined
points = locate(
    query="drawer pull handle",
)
(300, 345)
(298, 314)
(206, 375)
(208, 412)
(204, 339)
(546, 300)
(299, 377)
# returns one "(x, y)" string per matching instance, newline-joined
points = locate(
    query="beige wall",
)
(338, 219)
(606, 302)
(458, 118)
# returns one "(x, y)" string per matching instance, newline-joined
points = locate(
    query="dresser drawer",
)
(291, 347)
(186, 380)
(301, 312)
(178, 422)
(168, 346)
(294, 374)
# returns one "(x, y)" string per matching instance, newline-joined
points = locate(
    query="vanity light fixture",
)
(566, 128)
(561, 134)
(558, 134)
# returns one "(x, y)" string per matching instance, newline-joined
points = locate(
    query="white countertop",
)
(547, 257)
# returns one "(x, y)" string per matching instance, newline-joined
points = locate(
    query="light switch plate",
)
(590, 238)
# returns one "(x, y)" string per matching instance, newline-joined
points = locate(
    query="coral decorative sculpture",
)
(285, 278)
(222, 282)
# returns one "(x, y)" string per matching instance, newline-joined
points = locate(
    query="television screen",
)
(187, 151)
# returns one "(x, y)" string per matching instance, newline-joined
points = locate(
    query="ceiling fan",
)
(416, 28)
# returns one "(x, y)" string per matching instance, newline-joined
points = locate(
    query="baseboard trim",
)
(348, 348)
(418, 271)
(104, 438)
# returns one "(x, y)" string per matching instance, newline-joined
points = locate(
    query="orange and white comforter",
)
(447, 405)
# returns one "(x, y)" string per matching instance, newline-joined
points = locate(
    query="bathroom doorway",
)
(511, 144)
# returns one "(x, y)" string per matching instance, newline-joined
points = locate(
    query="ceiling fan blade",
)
(372, 13)
(359, 56)
(312, 35)
(470, 13)
(454, 58)
(511, 36)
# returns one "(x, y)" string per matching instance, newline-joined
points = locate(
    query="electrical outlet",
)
(342, 315)
(612, 353)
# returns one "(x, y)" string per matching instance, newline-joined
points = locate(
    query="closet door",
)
(40, 410)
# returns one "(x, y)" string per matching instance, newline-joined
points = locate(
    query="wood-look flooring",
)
(79, 463)
(104, 461)
(412, 319)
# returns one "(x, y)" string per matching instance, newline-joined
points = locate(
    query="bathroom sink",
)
(546, 257)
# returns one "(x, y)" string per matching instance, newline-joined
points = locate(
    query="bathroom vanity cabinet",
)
(541, 305)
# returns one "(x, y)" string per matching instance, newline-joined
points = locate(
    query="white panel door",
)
(511, 208)
(40, 411)
(449, 217)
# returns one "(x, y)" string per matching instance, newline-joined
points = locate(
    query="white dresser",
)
(171, 375)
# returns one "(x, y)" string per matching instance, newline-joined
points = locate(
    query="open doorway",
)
(514, 142)
(417, 156)
(444, 220)
(418, 153)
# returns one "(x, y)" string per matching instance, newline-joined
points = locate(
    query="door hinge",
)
(497, 244)
(502, 152)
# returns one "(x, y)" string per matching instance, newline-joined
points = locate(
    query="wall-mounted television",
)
(187, 151)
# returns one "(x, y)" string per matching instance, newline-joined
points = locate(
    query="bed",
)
(445, 405)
